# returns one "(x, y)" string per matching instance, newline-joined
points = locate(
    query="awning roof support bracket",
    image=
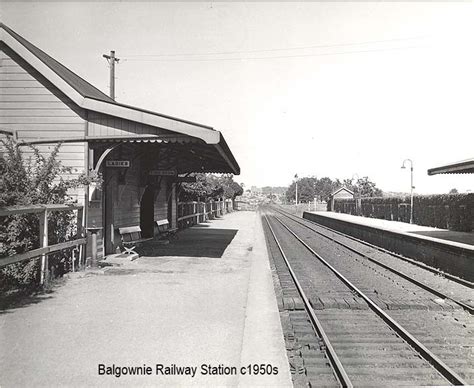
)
(104, 155)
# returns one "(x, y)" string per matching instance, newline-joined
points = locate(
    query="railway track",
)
(355, 245)
(361, 343)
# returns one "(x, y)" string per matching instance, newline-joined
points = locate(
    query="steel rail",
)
(437, 363)
(336, 364)
(422, 285)
(454, 278)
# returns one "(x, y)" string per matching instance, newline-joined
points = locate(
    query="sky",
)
(309, 88)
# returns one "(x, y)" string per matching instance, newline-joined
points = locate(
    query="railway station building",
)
(139, 154)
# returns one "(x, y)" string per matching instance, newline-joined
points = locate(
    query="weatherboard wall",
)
(36, 110)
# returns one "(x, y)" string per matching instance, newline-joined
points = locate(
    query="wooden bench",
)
(165, 230)
(131, 236)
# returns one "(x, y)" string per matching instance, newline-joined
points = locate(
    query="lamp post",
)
(411, 187)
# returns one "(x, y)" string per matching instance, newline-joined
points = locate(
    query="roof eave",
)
(134, 114)
(206, 134)
(228, 157)
(465, 167)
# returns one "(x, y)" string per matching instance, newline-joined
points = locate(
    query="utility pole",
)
(111, 59)
(411, 187)
(296, 193)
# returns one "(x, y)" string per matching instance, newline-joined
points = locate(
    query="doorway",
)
(147, 212)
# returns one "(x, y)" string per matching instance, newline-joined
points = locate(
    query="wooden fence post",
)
(43, 228)
(80, 234)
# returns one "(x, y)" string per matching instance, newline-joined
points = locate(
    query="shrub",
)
(446, 211)
(37, 180)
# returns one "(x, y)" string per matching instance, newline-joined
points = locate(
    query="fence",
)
(445, 211)
(43, 212)
(192, 213)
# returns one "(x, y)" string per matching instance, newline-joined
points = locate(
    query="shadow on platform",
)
(16, 301)
(198, 241)
(460, 237)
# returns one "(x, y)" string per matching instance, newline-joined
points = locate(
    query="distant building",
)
(342, 192)
(256, 190)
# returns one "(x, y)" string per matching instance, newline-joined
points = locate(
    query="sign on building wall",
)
(117, 163)
(163, 172)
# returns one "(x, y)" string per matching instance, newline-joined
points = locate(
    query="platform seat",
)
(165, 230)
(131, 236)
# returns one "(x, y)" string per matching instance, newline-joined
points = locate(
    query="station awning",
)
(109, 121)
(186, 155)
(189, 154)
(461, 167)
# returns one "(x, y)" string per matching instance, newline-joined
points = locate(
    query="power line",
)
(271, 57)
(276, 49)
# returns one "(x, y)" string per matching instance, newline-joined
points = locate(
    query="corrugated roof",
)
(461, 167)
(91, 93)
(83, 87)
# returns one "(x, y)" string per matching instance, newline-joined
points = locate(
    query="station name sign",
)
(163, 172)
(117, 163)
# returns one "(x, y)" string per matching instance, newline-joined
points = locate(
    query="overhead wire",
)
(275, 49)
(271, 57)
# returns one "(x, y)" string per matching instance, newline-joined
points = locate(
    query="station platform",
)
(396, 226)
(450, 251)
(206, 298)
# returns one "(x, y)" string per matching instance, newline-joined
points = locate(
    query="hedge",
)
(445, 211)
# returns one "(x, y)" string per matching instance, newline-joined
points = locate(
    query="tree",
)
(367, 188)
(312, 187)
(347, 183)
(35, 181)
(325, 187)
(210, 186)
(305, 190)
(363, 187)
(236, 189)
(453, 191)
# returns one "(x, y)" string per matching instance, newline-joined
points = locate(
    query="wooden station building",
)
(140, 154)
